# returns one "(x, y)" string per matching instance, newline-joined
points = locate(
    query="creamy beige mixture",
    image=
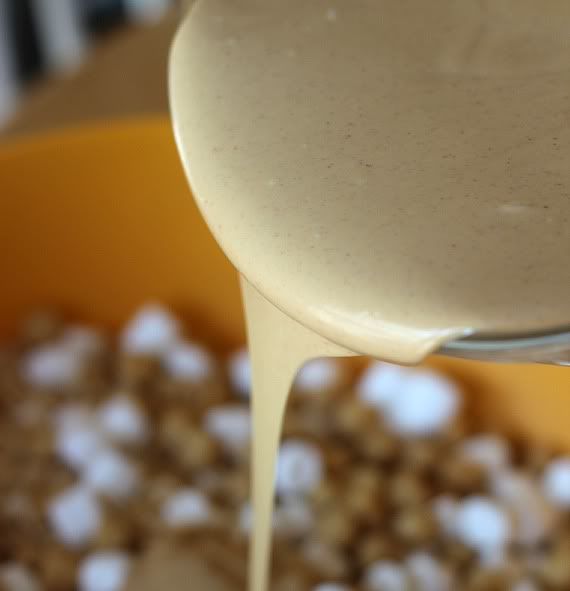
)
(392, 174)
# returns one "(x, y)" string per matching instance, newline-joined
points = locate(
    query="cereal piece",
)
(353, 419)
(461, 475)
(385, 575)
(336, 528)
(421, 455)
(293, 519)
(427, 403)
(374, 547)
(188, 362)
(490, 451)
(534, 518)
(299, 468)
(16, 577)
(484, 526)
(326, 560)
(407, 489)
(58, 568)
(138, 371)
(51, 366)
(378, 445)
(75, 516)
(445, 509)
(187, 507)
(152, 331)
(123, 420)
(318, 375)
(239, 368)
(556, 482)
(111, 474)
(290, 581)
(483, 579)
(415, 526)
(380, 383)
(104, 571)
(524, 585)
(428, 574)
(231, 425)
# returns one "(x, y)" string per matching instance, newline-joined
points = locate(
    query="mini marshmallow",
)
(318, 375)
(331, 587)
(299, 468)
(239, 368)
(490, 451)
(444, 509)
(245, 519)
(111, 474)
(426, 404)
(231, 425)
(77, 444)
(123, 421)
(534, 517)
(82, 340)
(381, 383)
(152, 331)
(427, 573)
(71, 416)
(524, 585)
(16, 577)
(104, 571)
(186, 507)
(484, 526)
(51, 366)
(293, 518)
(385, 575)
(188, 362)
(556, 482)
(75, 516)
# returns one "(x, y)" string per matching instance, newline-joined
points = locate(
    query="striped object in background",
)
(39, 37)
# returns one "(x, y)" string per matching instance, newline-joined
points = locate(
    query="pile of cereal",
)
(382, 484)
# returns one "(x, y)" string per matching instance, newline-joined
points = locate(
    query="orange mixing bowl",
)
(98, 220)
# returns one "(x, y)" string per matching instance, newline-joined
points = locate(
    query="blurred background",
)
(67, 61)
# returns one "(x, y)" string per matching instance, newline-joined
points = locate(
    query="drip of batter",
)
(387, 174)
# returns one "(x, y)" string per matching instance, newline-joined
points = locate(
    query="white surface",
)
(104, 571)
(385, 575)
(239, 369)
(426, 404)
(75, 516)
(111, 474)
(186, 507)
(299, 468)
(122, 420)
(231, 425)
(153, 330)
(556, 482)
(188, 362)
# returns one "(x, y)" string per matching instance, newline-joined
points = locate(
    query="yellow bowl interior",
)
(98, 220)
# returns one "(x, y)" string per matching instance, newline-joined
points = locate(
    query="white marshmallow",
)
(84, 341)
(381, 383)
(525, 585)
(490, 451)
(123, 421)
(72, 416)
(15, 577)
(331, 587)
(445, 508)
(428, 574)
(534, 517)
(111, 474)
(186, 507)
(75, 516)
(51, 366)
(484, 526)
(231, 425)
(239, 368)
(385, 575)
(293, 518)
(318, 375)
(245, 519)
(556, 482)
(427, 403)
(104, 571)
(188, 362)
(299, 468)
(152, 331)
(77, 444)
